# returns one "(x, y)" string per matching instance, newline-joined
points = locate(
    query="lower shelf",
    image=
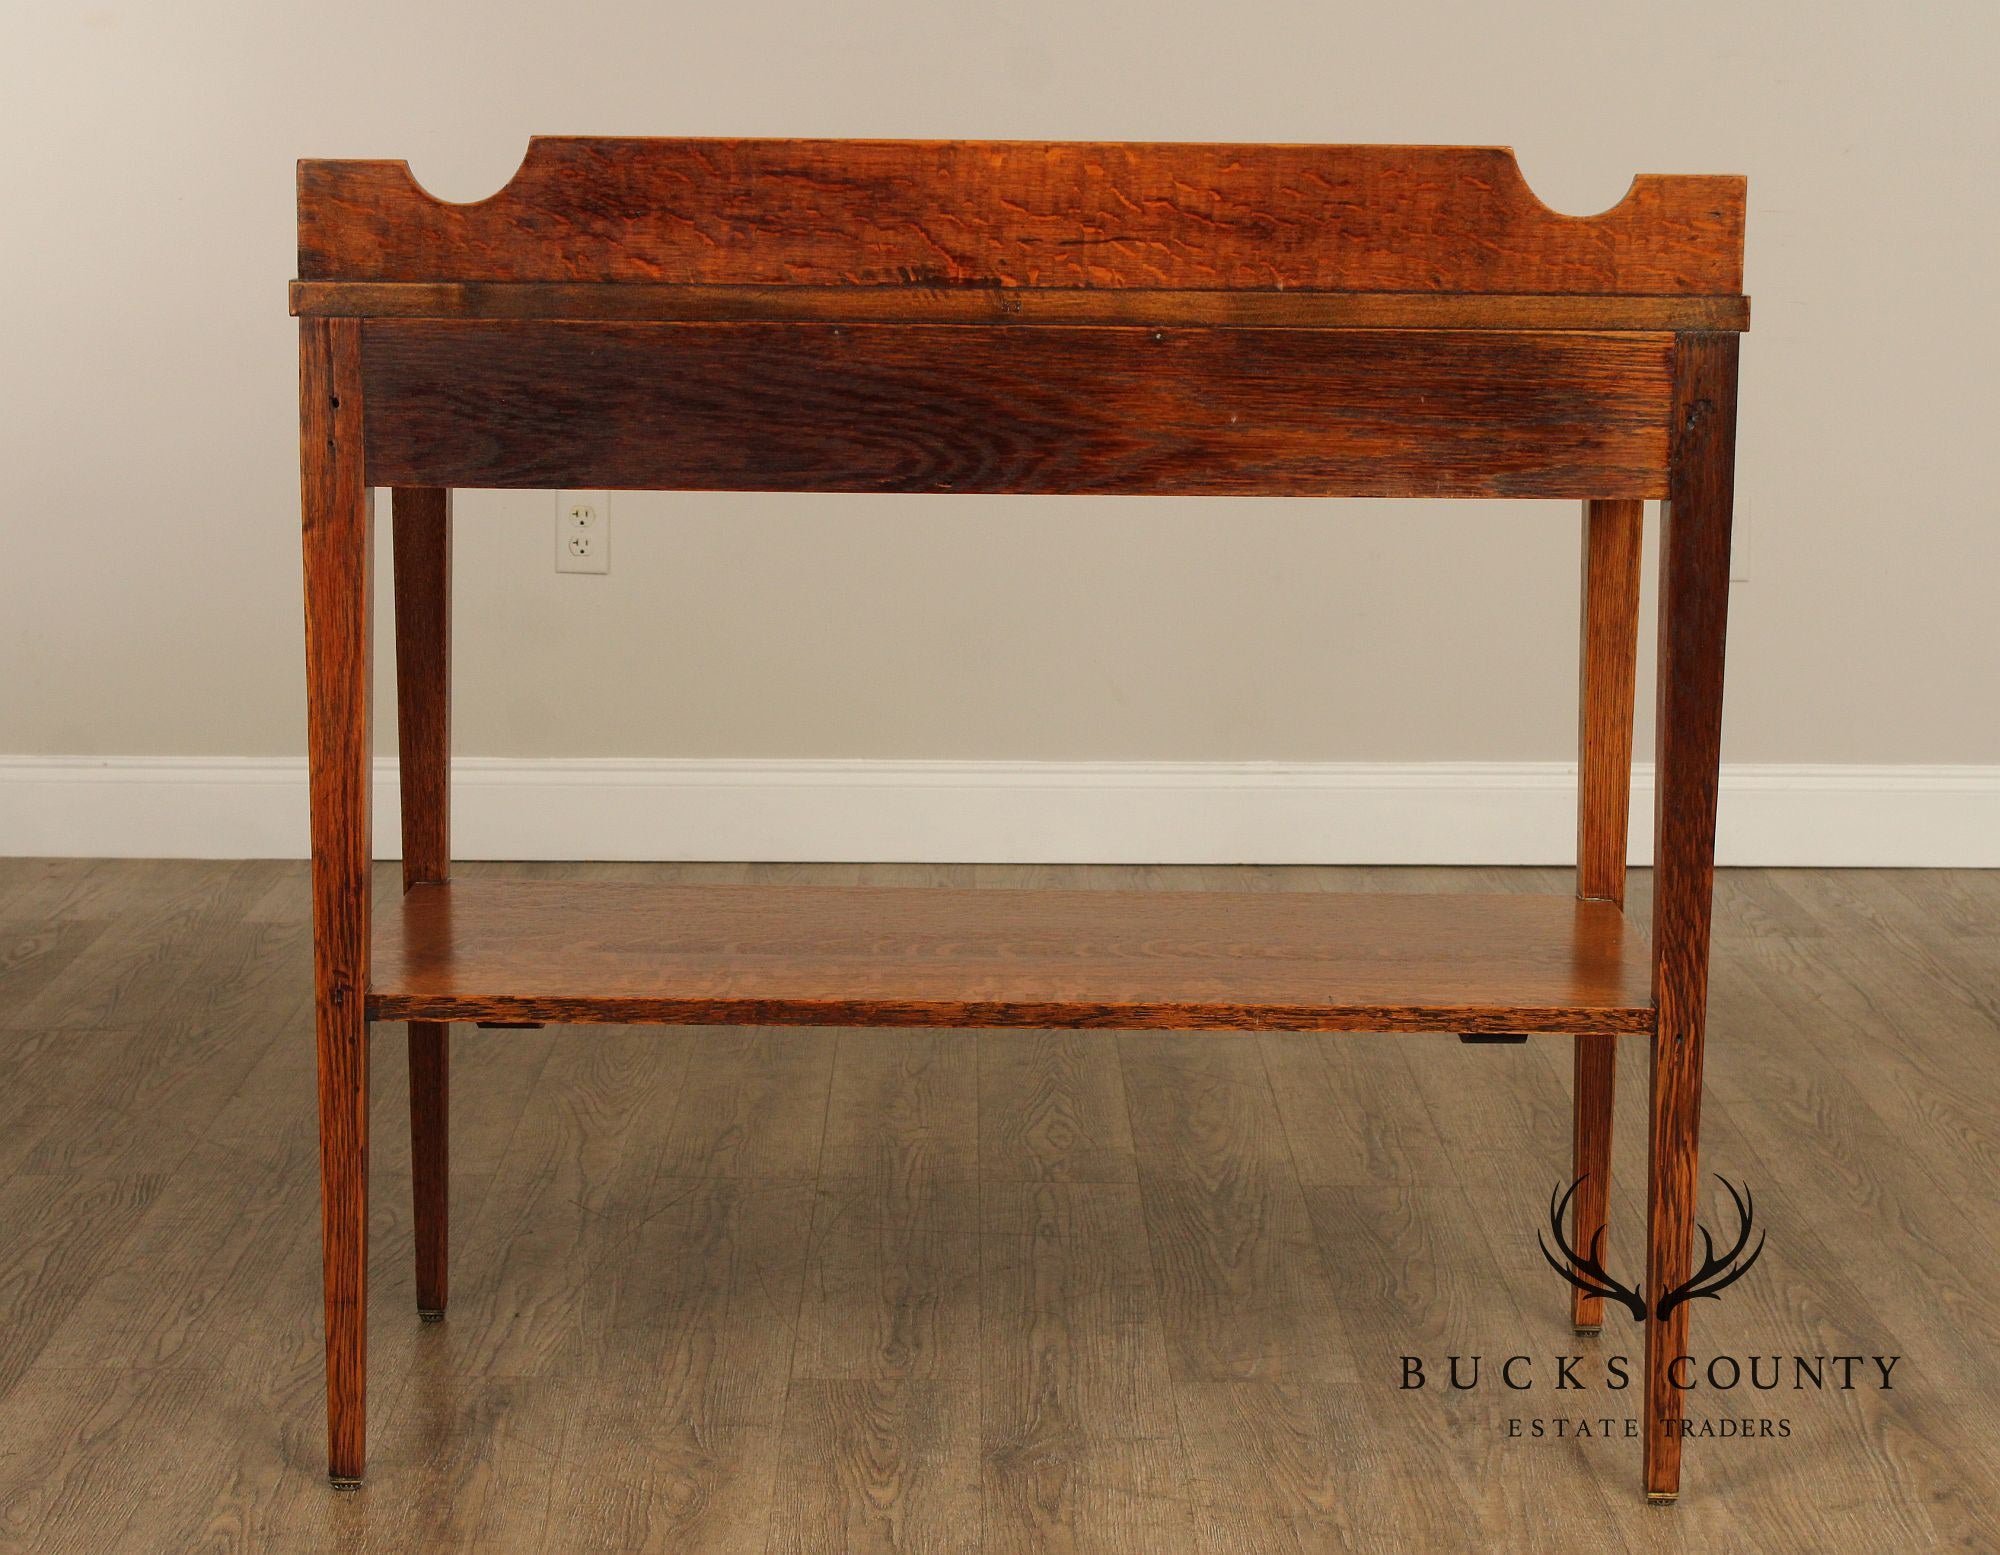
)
(889, 956)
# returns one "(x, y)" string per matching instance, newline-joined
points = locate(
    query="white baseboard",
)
(999, 811)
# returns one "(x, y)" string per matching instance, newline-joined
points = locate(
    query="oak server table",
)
(900, 316)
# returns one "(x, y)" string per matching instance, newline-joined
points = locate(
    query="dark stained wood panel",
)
(1020, 213)
(995, 408)
(885, 956)
(667, 302)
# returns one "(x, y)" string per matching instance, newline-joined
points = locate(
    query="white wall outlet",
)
(583, 531)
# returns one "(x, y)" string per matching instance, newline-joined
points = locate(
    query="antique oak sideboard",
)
(901, 316)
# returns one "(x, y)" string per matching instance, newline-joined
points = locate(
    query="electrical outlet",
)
(583, 531)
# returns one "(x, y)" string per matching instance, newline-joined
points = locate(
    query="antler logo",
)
(1713, 1277)
(1587, 1274)
(1717, 1274)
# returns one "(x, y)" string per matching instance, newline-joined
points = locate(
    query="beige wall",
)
(149, 592)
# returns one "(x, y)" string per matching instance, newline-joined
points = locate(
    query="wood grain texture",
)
(755, 1107)
(1021, 318)
(421, 522)
(877, 956)
(1260, 1377)
(999, 213)
(679, 1442)
(985, 408)
(1036, 305)
(1609, 651)
(338, 516)
(561, 1198)
(1079, 1435)
(892, 1279)
(1055, 1106)
(1694, 611)
(160, 1177)
(876, 1465)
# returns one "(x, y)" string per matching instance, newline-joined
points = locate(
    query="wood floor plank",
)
(678, 1443)
(152, 1095)
(1862, 1170)
(204, 1251)
(45, 1073)
(1241, 1293)
(468, 1469)
(891, 1282)
(903, 1108)
(891, 1285)
(186, 932)
(1349, 1109)
(1914, 1052)
(877, 1466)
(1079, 1435)
(1964, 903)
(1873, 1248)
(77, 1444)
(752, 1102)
(671, 1488)
(1263, 1379)
(569, 1191)
(63, 1233)
(1072, 1344)
(33, 952)
(48, 888)
(1052, 1108)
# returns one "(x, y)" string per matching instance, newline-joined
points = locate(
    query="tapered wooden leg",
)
(430, 1155)
(337, 519)
(422, 522)
(1609, 653)
(1694, 608)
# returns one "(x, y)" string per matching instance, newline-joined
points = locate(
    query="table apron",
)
(1115, 410)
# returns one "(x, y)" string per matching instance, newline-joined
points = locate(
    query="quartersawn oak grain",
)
(1694, 614)
(1378, 321)
(1020, 213)
(1608, 653)
(878, 956)
(997, 408)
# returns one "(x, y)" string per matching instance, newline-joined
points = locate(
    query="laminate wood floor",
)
(796, 1290)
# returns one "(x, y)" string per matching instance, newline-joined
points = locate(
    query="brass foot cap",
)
(431, 1314)
(1661, 1497)
(344, 1481)
(1590, 1328)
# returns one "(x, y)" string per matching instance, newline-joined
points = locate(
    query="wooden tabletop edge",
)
(674, 302)
(998, 1014)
